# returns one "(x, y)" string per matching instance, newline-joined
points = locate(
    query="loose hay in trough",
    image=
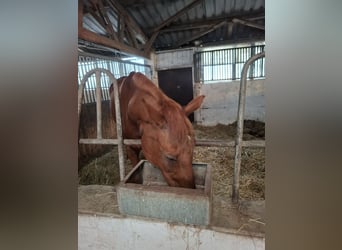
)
(104, 170)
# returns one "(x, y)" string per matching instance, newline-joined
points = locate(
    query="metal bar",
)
(109, 141)
(80, 98)
(200, 143)
(108, 58)
(98, 105)
(117, 110)
(221, 143)
(239, 133)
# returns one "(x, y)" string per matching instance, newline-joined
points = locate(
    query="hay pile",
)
(104, 170)
(221, 159)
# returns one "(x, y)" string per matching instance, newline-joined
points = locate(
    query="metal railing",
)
(238, 143)
(227, 64)
(116, 66)
(239, 127)
(119, 141)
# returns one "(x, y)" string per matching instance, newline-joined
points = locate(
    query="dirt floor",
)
(103, 174)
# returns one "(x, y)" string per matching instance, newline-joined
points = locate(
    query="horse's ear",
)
(193, 105)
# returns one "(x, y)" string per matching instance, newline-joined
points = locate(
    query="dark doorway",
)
(177, 84)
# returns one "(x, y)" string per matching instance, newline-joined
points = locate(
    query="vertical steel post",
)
(80, 99)
(98, 105)
(239, 133)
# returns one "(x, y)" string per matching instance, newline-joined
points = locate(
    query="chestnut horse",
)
(167, 136)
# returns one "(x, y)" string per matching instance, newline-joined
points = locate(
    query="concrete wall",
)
(172, 59)
(221, 102)
(106, 232)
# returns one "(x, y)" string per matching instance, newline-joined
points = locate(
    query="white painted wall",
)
(105, 232)
(221, 102)
(173, 59)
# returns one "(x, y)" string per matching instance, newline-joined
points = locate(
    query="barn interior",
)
(187, 48)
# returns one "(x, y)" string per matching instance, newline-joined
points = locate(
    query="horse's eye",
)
(171, 157)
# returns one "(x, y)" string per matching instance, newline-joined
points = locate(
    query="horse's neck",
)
(149, 88)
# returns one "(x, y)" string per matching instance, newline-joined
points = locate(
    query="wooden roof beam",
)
(178, 14)
(128, 19)
(157, 29)
(201, 33)
(208, 22)
(96, 38)
(249, 23)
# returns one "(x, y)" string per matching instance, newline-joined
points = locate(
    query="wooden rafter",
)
(121, 28)
(211, 25)
(137, 3)
(201, 33)
(209, 22)
(157, 29)
(128, 19)
(125, 38)
(96, 38)
(100, 18)
(249, 23)
(177, 15)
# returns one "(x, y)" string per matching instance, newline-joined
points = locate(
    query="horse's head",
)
(169, 143)
(167, 136)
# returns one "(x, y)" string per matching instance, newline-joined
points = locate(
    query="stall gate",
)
(120, 142)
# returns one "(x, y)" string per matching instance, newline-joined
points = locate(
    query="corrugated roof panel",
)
(230, 6)
(219, 8)
(163, 12)
(137, 16)
(90, 23)
(259, 4)
(147, 20)
(209, 9)
(249, 5)
(154, 14)
(239, 5)
(150, 14)
(113, 17)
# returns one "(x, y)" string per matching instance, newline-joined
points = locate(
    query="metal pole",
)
(98, 105)
(80, 93)
(117, 110)
(239, 133)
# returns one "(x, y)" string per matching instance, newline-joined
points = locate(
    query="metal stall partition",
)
(239, 143)
(99, 140)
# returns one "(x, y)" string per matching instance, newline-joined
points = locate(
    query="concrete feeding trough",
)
(145, 193)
